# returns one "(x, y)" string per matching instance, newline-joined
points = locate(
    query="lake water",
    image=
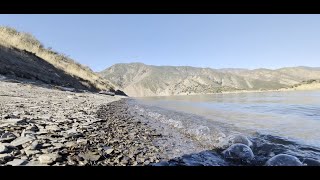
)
(293, 115)
(276, 122)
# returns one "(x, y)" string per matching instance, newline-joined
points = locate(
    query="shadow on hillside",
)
(26, 67)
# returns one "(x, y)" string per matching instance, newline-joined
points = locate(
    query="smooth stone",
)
(239, 152)
(284, 160)
(24, 157)
(5, 156)
(58, 145)
(71, 131)
(2, 125)
(17, 162)
(21, 140)
(241, 139)
(14, 115)
(33, 128)
(35, 145)
(30, 152)
(53, 128)
(90, 156)
(42, 132)
(26, 133)
(7, 136)
(82, 141)
(35, 163)
(108, 150)
(13, 121)
(45, 145)
(48, 158)
(70, 144)
(3, 148)
(162, 163)
(83, 163)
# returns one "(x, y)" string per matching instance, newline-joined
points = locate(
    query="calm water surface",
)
(293, 115)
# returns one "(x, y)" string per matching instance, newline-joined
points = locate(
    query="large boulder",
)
(239, 152)
(225, 142)
(241, 139)
(284, 160)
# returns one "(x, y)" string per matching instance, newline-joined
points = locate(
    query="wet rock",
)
(162, 163)
(48, 158)
(147, 162)
(283, 160)
(241, 139)
(311, 162)
(239, 152)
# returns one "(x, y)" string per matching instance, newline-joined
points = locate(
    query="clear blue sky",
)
(216, 41)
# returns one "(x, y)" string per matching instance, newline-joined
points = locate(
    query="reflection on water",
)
(294, 115)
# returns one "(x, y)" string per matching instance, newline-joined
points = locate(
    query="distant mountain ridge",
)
(138, 79)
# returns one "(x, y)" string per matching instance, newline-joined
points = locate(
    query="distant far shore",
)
(303, 87)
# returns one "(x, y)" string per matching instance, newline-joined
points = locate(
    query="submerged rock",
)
(283, 160)
(239, 152)
(162, 163)
(311, 162)
(241, 139)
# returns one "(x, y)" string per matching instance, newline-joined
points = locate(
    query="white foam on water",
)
(191, 126)
(2, 77)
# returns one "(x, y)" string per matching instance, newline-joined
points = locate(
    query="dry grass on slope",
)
(10, 37)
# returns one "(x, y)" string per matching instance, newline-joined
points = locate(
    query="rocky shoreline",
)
(41, 126)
